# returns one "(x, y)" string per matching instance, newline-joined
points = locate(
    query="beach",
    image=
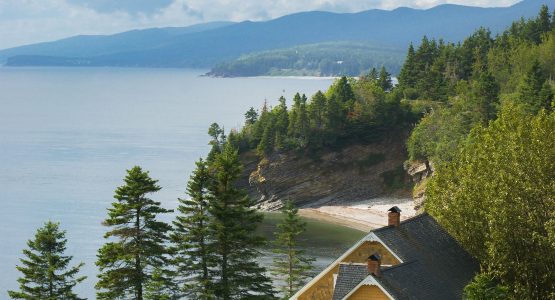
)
(363, 215)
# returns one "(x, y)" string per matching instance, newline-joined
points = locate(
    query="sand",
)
(364, 215)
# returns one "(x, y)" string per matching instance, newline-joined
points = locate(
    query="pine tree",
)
(266, 145)
(385, 80)
(137, 240)
(237, 274)
(533, 92)
(409, 72)
(303, 122)
(342, 90)
(373, 75)
(317, 110)
(192, 237)
(281, 123)
(293, 130)
(543, 22)
(251, 116)
(46, 271)
(291, 264)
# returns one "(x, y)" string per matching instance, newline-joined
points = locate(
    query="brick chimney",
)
(394, 216)
(374, 264)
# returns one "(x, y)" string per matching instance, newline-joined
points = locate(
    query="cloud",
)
(32, 21)
(129, 6)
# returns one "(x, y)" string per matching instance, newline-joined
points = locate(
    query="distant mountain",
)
(208, 44)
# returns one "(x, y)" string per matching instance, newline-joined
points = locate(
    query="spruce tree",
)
(193, 239)
(290, 265)
(251, 116)
(46, 271)
(237, 274)
(385, 80)
(293, 129)
(137, 247)
(409, 72)
(303, 122)
(281, 123)
(532, 91)
(317, 110)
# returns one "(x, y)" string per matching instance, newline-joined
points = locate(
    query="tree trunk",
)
(139, 283)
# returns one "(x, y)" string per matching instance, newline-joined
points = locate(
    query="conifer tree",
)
(251, 116)
(291, 264)
(293, 130)
(237, 274)
(543, 22)
(266, 145)
(193, 239)
(46, 271)
(373, 75)
(303, 122)
(281, 123)
(408, 74)
(533, 92)
(342, 90)
(317, 110)
(137, 248)
(385, 80)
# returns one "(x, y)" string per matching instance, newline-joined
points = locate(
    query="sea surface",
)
(67, 135)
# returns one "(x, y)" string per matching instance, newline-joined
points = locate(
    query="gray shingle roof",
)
(348, 278)
(434, 265)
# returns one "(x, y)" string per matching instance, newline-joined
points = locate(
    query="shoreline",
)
(363, 216)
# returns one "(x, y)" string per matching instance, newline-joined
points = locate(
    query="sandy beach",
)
(364, 215)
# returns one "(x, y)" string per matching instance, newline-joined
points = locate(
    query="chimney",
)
(394, 216)
(374, 264)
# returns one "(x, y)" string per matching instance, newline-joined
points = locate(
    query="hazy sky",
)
(31, 21)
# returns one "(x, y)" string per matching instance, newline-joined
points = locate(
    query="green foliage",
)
(497, 198)
(46, 271)
(137, 248)
(290, 265)
(351, 111)
(534, 90)
(251, 116)
(323, 59)
(485, 287)
(193, 239)
(237, 274)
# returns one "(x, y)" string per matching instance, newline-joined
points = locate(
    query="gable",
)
(322, 286)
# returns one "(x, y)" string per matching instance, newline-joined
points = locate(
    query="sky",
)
(31, 21)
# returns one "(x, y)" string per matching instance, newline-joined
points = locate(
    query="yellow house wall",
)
(360, 255)
(368, 292)
(323, 288)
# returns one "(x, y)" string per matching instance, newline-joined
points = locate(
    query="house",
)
(413, 259)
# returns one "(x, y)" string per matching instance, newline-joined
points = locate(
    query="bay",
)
(67, 135)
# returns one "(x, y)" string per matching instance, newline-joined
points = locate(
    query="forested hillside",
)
(325, 59)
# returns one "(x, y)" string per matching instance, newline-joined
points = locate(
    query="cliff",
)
(355, 173)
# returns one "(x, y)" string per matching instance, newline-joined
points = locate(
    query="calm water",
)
(68, 135)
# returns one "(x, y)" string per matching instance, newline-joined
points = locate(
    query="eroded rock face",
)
(353, 174)
(420, 173)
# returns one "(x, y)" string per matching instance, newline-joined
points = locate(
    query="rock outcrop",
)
(355, 173)
(420, 172)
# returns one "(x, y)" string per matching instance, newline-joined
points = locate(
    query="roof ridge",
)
(413, 218)
(399, 265)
